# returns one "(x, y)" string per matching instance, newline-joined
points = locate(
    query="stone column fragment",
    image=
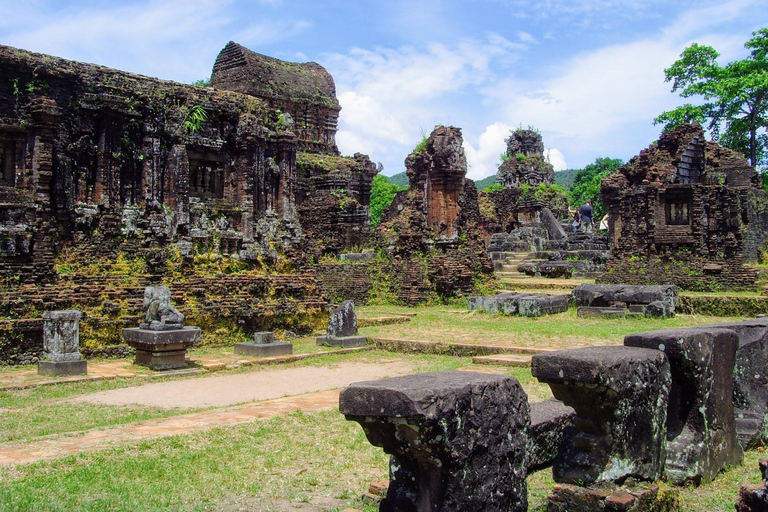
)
(701, 432)
(61, 344)
(457, 439)
(620, 398)
(342, 328)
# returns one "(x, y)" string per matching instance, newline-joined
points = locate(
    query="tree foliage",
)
(382, 195)
(586, 184)
(735, 96)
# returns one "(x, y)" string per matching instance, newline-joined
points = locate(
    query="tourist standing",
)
(586, 213)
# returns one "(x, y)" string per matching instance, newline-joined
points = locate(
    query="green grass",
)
(291, 459)
(456, 324)
(298, 457)
(318, 460)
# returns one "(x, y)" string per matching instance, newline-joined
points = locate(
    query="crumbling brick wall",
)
(678, 214)
(431, 231)
(305, 91)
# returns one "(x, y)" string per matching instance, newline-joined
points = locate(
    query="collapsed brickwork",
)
(304, 91)
(101, 167)
(524, 161)
(679, 214)
(333, 200)
(431, 231)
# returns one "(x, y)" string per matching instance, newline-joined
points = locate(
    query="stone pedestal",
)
(61, 343)
(161, 350)
(620, 398)
(701, 430)
(264, 345)
(458, 440)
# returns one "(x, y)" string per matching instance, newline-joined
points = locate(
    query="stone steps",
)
(504, 360)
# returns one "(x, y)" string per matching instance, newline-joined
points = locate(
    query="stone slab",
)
(604, 295)
(161, 350)
(342, 341)
(595, 312)
(548, 421)
(264, 349)
(62, 367)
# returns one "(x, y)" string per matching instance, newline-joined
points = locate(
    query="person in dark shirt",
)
(586, 213)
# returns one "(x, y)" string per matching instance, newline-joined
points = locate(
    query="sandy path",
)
(224, 390)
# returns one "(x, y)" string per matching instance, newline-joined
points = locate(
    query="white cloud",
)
(556, 158)
(484, 155)
(175, 39)
(526, 37)
(389, 95)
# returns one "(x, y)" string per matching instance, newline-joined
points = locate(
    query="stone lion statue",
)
(160, 314)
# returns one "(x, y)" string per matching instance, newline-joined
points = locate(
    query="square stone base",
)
(264, 349)
(161, 350)
(343, 341)
(165, 360)
(56, 368)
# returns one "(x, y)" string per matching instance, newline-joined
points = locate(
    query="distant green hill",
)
(401, 179)
(485, 182)
(565, 178)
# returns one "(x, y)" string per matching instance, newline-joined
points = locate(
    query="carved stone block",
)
(457, 439)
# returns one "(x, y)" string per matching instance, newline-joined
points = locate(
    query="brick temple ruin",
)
(431, 231)
(101, 164)
(685, 211)
(529, 218)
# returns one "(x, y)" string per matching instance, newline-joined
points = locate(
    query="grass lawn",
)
(296, 461)
(565, 330)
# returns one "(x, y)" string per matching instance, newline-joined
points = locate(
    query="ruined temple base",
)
(60, 368)
(161, 350)
(264, 349)
(612, 498)
(343, 341)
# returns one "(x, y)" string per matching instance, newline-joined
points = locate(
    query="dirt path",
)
(310, 388)
(224, 390)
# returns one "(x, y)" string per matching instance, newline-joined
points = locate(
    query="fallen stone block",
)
(594, 312)
(524, 304)
(701, 432)
(457, 440)
(620, 396)
(604, 295)
(549, 419)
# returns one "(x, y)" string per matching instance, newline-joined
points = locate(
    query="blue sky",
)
(587, 73)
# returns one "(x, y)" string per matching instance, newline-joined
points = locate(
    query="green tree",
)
(382, 194)
(735, 107)
(586, 184)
